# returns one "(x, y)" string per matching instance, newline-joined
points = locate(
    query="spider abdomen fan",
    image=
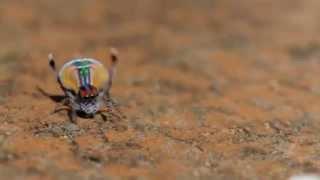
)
(82, 73)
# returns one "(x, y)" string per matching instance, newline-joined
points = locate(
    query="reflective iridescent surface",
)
(83, 75)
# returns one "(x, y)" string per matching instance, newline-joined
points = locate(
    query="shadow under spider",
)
(53, 97)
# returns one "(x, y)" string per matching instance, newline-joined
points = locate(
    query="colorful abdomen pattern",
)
(83, 73)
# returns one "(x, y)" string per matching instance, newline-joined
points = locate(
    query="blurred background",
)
(217, 89)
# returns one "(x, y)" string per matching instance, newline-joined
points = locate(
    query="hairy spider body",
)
(86, 84)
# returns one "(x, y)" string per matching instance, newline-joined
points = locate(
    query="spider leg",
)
(52, 64)
(112, 70)
(110, 113)
(103, 116)
(63, 105)
(72, 116)
(60, 107)
(111, 104)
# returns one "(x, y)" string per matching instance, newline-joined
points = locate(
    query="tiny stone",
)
(57, 131)
(71, 127)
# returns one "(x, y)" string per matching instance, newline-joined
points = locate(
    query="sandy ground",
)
(212, 89)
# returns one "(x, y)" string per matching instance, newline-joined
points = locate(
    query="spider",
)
(86, 84)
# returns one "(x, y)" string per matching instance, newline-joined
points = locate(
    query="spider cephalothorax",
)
(86, 84)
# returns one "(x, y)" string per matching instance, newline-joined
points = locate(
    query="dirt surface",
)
(212, 89)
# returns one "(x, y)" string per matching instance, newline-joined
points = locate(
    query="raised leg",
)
(53, 67)
(52, 62)
(114, 60)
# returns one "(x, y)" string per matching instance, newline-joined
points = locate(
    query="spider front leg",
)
(108, 111)
(104, 97)
(60, 107)
(111, 104)
(72, 116)
(64, 105)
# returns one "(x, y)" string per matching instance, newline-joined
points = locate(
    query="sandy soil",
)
(211, 90)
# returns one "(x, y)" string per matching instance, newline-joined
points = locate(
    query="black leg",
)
(112, 105)
(72, 116)
(111, 71)
(63, 105)
(52, 64)
(104, 117)
(59, 108)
